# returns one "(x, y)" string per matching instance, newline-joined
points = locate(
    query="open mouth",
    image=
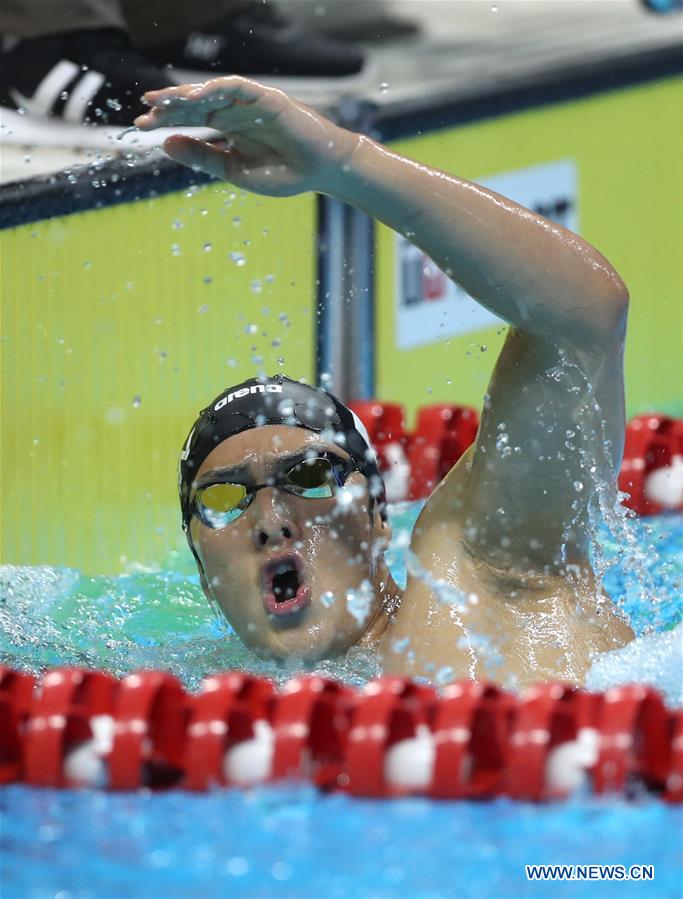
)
(284, 590)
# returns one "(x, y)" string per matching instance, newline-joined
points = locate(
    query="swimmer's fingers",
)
(199, 155)
(228, 88)
(214, 112)
(238, 102)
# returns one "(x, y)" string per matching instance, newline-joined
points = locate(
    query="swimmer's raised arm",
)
(529, 271)
(553, 421)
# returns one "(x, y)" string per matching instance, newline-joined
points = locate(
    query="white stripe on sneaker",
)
(49, 89)
(81, 95)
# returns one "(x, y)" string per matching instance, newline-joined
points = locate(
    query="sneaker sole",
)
(33, 131)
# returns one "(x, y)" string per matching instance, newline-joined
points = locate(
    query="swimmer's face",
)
(284, 571)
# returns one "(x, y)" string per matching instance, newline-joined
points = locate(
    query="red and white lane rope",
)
(75, 727)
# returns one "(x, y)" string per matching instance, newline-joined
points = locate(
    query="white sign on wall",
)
(429, 306)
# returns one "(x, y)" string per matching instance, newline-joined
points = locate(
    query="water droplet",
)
(177, 224)
(251, 329)
(231, 362)
(578, 486)
(494, 9)
(281, 871)
(115, 415)
(175, 249)
(237, 258)
(444, 675)
(207, 279)
(383, 88)
(237, 221)
(137, 402)
(113, 103)
(256, 287)
(87, 266)
(207, 246)
(327, 599)
(203, 308)
(237, 866)
(483, 348)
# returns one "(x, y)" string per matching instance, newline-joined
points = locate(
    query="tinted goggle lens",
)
(313, 479)
(219, 504)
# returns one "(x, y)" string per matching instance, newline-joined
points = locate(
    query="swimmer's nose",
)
(273, 524)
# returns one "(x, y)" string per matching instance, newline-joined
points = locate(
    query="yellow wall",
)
(628, 146)
(98, 311)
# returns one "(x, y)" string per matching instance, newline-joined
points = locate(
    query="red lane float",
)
(390, 714)
(442, 434)
(225, 715)
(471, 729)
(150, 720)
(652, 469)
(412, 464)
(394, 737)
(61, 717)
(385, 424)
(310, 722)
(16, 693)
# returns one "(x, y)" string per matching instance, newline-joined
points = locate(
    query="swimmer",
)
(282, 502)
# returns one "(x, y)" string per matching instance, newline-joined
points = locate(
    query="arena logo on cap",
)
(245, 391)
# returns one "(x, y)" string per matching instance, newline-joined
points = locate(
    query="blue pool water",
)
(291, 841)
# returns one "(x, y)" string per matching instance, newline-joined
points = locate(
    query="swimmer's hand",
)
(275, 145)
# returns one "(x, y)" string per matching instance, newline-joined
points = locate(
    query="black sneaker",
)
(257, 41)
(78, 88)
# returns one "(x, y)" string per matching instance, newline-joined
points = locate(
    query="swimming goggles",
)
(219, 503)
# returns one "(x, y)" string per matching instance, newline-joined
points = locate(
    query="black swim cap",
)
(277, 401)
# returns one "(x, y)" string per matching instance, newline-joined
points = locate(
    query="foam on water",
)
(56, 616)
(655, 659)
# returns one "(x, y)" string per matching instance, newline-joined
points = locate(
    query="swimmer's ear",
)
(382, 529)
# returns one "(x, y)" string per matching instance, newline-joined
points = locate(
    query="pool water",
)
(292, 841)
